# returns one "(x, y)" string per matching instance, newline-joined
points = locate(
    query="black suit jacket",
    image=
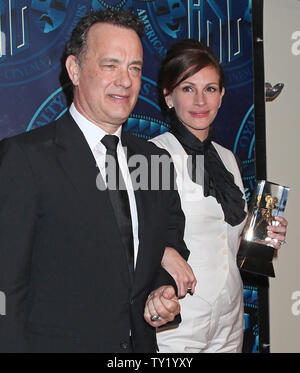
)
(62, 265)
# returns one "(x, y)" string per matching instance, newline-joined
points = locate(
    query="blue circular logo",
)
(143, 125)
(36, 32)
(164, 21)
(51, 109)
(140, 121)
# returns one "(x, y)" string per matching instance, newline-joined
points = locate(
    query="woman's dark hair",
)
(124, 18)
(184, 59)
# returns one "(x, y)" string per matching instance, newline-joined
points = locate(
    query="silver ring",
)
(155, 318)
(283, 242)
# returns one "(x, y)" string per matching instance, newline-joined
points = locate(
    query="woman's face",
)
(196, 101)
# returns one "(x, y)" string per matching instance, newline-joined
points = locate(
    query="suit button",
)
(124, 345)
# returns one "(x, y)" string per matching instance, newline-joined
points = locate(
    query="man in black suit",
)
(68, 282)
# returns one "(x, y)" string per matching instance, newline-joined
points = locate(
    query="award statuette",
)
(256, 252)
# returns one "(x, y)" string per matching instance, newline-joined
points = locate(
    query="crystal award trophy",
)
(256, 251)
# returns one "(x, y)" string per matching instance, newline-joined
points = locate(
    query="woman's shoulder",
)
(163, 140)
(224, 152)
(221, 147)
(228, 157)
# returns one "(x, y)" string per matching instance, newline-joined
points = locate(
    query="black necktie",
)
(118, 196)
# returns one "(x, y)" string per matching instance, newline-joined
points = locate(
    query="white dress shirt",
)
(93, 135)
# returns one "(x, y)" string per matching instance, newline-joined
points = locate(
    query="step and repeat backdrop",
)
(33, 35)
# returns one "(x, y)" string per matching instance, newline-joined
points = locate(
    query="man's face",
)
(108, 79)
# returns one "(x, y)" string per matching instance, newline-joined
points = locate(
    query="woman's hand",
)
(278, 233)
(180, 270)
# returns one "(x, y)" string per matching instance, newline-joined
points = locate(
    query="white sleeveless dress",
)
(212, 319)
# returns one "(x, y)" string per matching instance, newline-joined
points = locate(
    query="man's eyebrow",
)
(137, 62)
(110, 59)
(116, 60)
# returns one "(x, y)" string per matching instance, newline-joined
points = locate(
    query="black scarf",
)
(218, 181)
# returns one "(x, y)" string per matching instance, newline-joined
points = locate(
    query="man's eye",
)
(136, 68)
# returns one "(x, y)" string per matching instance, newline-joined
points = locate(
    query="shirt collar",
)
(189, 141)
(92, 133)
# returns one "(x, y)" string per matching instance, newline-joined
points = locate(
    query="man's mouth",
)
(118, 97)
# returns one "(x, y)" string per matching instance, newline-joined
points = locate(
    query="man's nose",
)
(123, 79)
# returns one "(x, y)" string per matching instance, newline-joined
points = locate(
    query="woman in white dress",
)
(191, 84)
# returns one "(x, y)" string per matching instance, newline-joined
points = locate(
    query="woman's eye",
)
(211, 89)
(187, 89)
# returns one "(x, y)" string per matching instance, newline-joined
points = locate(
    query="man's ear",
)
(73, 69)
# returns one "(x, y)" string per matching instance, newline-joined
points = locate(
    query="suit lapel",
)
(76, 158)
(79, 165)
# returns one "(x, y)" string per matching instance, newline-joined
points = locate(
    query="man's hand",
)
(180, 270)
(161, 306)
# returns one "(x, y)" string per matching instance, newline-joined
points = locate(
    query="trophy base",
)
(256, 258)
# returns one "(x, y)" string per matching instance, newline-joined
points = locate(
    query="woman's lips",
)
(199, 114)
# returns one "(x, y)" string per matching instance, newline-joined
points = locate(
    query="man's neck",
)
(109, 128)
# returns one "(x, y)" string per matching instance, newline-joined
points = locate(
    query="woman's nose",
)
(199, 98)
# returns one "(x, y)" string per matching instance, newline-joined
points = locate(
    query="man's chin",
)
(119, 120)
